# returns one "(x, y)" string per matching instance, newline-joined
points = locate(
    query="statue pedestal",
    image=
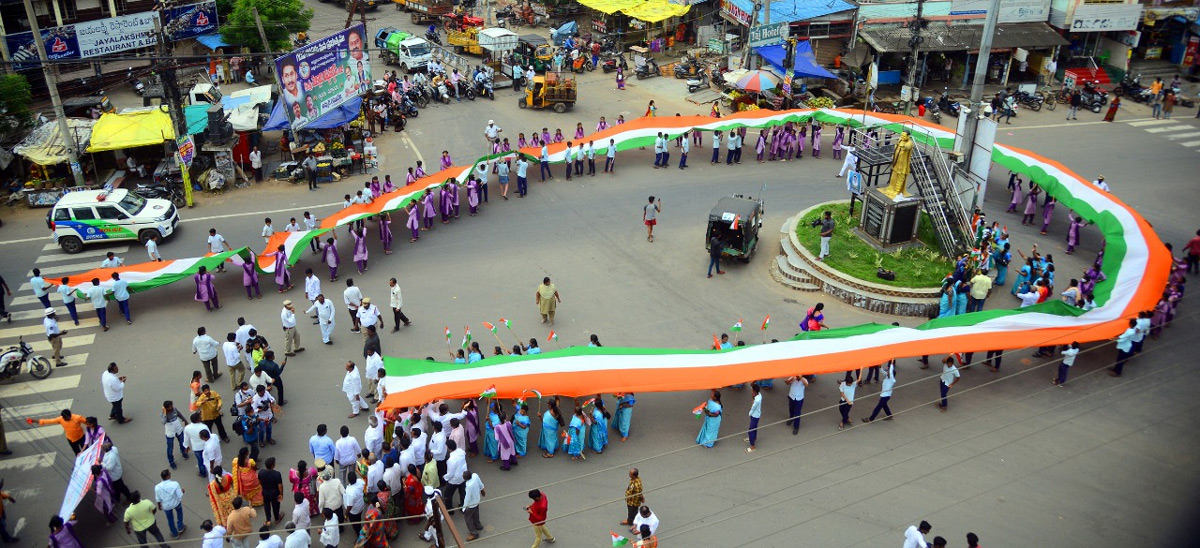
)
(886, 223)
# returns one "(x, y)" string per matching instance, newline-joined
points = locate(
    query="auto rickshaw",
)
(735, 221)
(535, 50)
(556, 90)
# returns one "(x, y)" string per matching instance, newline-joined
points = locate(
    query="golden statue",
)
(900, 167)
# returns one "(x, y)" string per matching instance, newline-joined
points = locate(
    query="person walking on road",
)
(291, 337)
(650, 213)
(139, 519)
(949, 378)
(206, 347)
(634, 497)
(233, 360)
(195, 442)
(217, 244)
(173, 426)
(397, 302)
(324, 309)
(1073, 103)
(715, 249)
(475, 491)
(537, 517)
(40, 288)
(889, 381)
(209, 402)
(914, 536)
(114, 392)
(796, 385)
(846, 388)
(547, 299)
(54, 334)
(64, 289)
(169, 496)
(6, 292)
(72, 426)
(95, 294)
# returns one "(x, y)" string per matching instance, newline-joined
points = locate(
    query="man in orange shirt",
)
(72, 426)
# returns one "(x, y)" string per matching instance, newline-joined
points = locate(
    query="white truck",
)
(412, 53)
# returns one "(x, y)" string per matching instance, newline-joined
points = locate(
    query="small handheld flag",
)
(506, 323)
(699, 410)
(736, 221)
(466, 337)
(716, 342)
(490, 327)
(766, 323)
(737, 326)
(489, 393)
(618, 540)
(553, 336)
(447, 334)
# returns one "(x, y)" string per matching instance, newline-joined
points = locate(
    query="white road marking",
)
(258, 213)
(57, 271)
(1191, 143)
(1144, 123)
(64, 318)
(70, 341)
(35, 386)
(31, 462)
(1177, 136)
(19, 412)
(40, 332)
(1176, 127)
(58, 257)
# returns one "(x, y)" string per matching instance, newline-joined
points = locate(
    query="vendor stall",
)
(45, 149)
(497, 43)
(335, 138)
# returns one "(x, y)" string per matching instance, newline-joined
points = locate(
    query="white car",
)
(89, 216)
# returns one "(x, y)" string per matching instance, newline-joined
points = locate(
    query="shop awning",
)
(131, 128)
(650, 11)
(241, 110)
(806, 62)
(787, 12)
(44, 146)
(213, 41)
(497, 39)
(943, 37)
(337, 118)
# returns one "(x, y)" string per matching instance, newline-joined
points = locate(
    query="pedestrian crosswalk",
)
(34, 448)
(1175, 130)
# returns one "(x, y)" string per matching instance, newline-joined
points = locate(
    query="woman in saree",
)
(576, 434)
(303, 479)
(414, 495)
(371, 534)
(551, 419)
(491, 449)
(221, 492)
(245, 474)
(624, 414)
(598, 435)
(520, 430)
(389, 506)
(712, 421)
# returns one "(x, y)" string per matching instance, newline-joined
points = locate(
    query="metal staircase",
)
(950, 219)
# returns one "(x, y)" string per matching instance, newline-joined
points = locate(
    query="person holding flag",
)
(649, 217)
(711, 411)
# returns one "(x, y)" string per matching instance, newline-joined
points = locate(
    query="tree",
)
(15, 96)
(280, 19)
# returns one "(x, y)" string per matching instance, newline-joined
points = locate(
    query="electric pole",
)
(170, 84)
(914, 43)
(262, 34)
(50, 72)
(753, 19)
(971, 123)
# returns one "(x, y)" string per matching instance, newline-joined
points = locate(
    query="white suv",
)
(89, 216)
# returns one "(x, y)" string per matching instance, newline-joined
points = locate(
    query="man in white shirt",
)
(491, 132)
(353, 298)
(331, 494)
(245, 332)
(267, 540)
(233, 360)
(111, 461)
(352, 388)
(437, 446)
(659, 145)
(332, 529)
(68, 296)
(114, 392)
(298, 536)
(310, 223)
(211, 453)
(169, 496)
(95, 294)
(1069, 353)
(474, 492)
(369, 316)
(796, 387)
(456, 465)
(1124, 348)
(256, 164)
(373, 439)
(324, 310)
(353, 500)
(755, 412)
(195, 442)
(217, 244)
(291, 337)
(268, 230)
(214, 535)
(312, 285)
(346, 451)
(645, 517)
(885, 395)
(40, 288)
(949, 378)
(914, 536)
(397, 302)
(111, 260)
(1100, 184)
(206, 348)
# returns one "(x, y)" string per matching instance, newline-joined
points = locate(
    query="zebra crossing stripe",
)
(70, 341)
(1176, 127)
(1144, 123)
(1177, 136)
(95, 253)
(31, 462)
(64, 318)
(35, 386)
(37, 410)
(40, 331)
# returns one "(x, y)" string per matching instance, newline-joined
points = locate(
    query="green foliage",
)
(15, 97)
(917, 266)
(280, 18)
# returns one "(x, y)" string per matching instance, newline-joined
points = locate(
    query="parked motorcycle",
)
(611, 64)
(16, 357)
(1093, 96)
(171, 192)
(649, 69)
(948, 105)
(1032, 101)
(139, 87)
(935, 111)
(698, 83)
(1181, 100)
(687, 68)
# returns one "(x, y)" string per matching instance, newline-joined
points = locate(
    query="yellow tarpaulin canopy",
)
(650, 11)
(132, 128)
(45, 147)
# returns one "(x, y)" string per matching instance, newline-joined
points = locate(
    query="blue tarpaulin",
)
(213, 41)
(344, 114)
(806, 63)
(787, 12)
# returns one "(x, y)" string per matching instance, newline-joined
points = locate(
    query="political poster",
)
(322, 75)
(116, 34)
(80, 481)
(61, 43)
(190, 21)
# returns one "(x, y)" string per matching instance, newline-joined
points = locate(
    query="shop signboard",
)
(321, 76)
(734, 13)
(116, 34)
(1011, 11)
(716, 45)
(767, 35)
(61, 43)
(186, 150)
(600, 26)
(1106, 17)
(190, 21)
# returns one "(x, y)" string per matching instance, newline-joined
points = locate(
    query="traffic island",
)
(850, 273)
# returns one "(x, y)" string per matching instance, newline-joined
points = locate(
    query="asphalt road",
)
(1016, 460)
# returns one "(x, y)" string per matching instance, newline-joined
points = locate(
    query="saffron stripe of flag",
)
(553, 336)
(766, 323)
(490, 327)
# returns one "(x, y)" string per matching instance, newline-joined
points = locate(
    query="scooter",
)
(1181, 100)
(582, 63)
(695, 84)
(686, 68)
(649, 69)
(138, 86)
(484, 88)
(16, 357)
(611, 64)
(442, 93)
(1093, 97)
(947, 105)
(935, 112)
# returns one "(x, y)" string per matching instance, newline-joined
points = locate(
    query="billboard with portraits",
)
(319, 77)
